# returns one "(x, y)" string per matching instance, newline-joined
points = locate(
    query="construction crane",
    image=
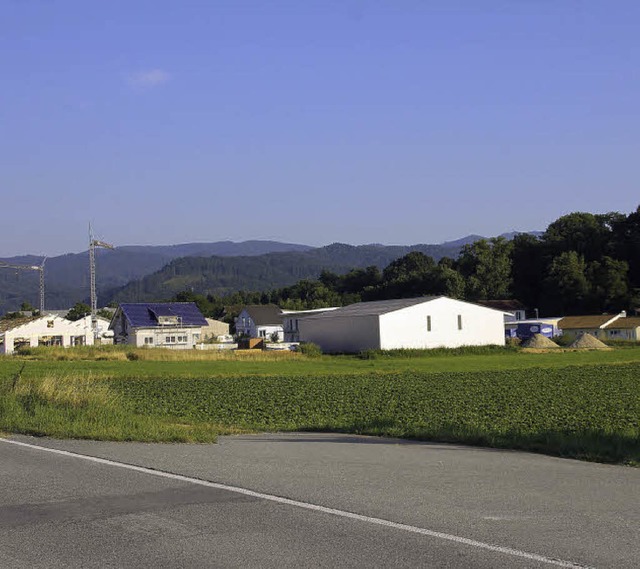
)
(39, 268)
(93, 245)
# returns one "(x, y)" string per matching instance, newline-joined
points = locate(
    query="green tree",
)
(79, 310)
(409, 266)
(26, 306)
(587, 234)
(528, 269)
(609, 285)
(486, 266)
(104, 313)
(626, 238)
(566, 285)
(448, 282)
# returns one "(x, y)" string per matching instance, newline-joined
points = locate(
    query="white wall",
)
(632, 334)
(252, 330)
(159, 337)
(266, 331)
(39, 329)
(407, 327)
(341, 334)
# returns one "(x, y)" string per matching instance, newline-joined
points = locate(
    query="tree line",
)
(582, 264)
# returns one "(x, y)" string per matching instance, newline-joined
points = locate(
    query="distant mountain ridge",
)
(221, 275)
(142, 272)
(67, 276)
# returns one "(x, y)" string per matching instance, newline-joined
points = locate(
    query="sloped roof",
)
(264, 314)
(506, 305)
(145, 314)
(596, 321)
(7, 324)
(374, 308)
(624, 323)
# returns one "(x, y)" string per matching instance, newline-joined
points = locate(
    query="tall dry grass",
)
(81, 407)
(124, 353)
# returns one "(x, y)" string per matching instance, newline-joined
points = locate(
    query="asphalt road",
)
(393, 504)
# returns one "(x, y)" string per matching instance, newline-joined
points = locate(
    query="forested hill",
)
(67, 276)
(582, 264)
(220, 275)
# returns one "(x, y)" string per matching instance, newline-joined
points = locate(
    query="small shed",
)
(524, 329)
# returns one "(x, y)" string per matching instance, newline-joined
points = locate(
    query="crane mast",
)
(93, 244)
(39, 268)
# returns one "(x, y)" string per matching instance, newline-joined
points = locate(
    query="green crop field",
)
(198, 365)
(578, 404)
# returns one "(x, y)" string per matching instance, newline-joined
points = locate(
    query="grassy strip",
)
(291, 365)
(68, 407)
(580, 410)
(590, 413)
(123, 353)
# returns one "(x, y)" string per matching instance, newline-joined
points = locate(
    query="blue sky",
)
(312, 122)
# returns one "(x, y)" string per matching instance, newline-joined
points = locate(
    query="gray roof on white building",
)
(374, 308)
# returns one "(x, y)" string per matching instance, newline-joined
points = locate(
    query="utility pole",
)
(93, 244)
(39, 268)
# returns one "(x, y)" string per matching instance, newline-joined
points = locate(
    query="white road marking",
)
(314, 507)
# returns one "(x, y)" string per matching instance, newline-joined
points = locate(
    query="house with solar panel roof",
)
(175, 325)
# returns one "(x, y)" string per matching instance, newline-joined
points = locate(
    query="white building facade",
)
(173, 325)
(415, 323)
(260, 321)
(291, 321)
(48, 330)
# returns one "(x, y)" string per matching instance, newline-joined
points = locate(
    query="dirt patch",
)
(540, 342)
(588, 342)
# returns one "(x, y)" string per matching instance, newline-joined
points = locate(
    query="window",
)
(148, 340)
(428, 323)
(459, 321)
(263, 333)
(49, 323)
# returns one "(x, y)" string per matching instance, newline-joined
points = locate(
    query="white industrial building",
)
(291, 321)
(48, 330)
(426, 322)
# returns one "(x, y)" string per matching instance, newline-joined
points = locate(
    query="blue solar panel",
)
(144, 314)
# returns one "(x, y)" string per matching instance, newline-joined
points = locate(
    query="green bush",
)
(310, 349)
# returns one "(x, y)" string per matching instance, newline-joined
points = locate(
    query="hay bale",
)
(539, 342)
(587, 342)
